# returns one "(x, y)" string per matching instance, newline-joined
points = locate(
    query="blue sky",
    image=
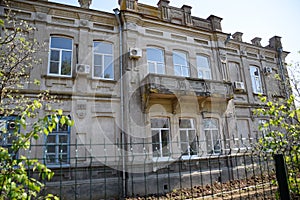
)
(255, 18)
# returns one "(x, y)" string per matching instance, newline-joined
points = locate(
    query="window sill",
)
(56, 166)
(56, 76)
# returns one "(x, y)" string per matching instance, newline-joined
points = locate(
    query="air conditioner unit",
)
(267, 70)
(239, 86)
(82, 69)
(135, 53)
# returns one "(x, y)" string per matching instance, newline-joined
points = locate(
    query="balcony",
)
(155, 86)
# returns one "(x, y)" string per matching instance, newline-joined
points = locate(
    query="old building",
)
(146, 86)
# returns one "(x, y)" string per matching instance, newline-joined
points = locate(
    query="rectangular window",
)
(155, 60)
(256, 80)
(103, 66)
(60, 58)
(160, 130)
(58, 146)
(212, 135)
(7, 133)
(181, 67)
(188, 138)
(203, 67)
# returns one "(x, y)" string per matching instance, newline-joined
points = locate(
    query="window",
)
(212, 135)
(203, 67)
(181, 67)
(160, 130)
(60, 56)
(103, 60)
(263, 127)
(58, 145)
(7, 133)
(188, 138)
(256, 80)
(155, 60)
(234, 71)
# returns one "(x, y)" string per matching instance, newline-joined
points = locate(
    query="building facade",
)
(146, 86)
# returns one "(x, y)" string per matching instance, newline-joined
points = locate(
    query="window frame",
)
(60, 57)
(256, 88)
(57, 146)
(155, 62)
(210, 130)
(103, 61)
(4, 141)
(204, 69)
(187, 135)
(160, 142)
(180, 65)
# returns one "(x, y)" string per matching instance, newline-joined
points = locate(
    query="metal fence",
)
(131, 171)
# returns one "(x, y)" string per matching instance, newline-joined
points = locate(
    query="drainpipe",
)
(124, 184)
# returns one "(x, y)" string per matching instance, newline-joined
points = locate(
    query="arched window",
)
(188, 138)
(155, 60)
(60, 58)
(234, 72)
(181, 67)
(256, 80)
(103, 65)
(203, 67)
(212, 136)
(160, 131)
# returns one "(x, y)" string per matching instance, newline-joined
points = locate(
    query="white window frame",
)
(204, 70)
(211, 130)
(103, 61)
(256, 80)
(189, 142)
(58, 153)
(160, 142)
(156, 63)
(60, 57)
(180, 66)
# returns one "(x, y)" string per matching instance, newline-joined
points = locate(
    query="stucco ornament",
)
(85, 3)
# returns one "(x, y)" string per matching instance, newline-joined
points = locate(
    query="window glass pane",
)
(108, 63)
(185, 123)
(63, 139)
(160, 123)
(51, 158)
(185, 72)
(155, 54)
(54, 67)
(54, 55)
(97, 59)
(61, 43)
(160, 68)
(177, 70)
(165, 142)
(207, 75)
(179, 58)
(51, 139)
(183, 136)
(66, 63)
(210, 123)
(98, 71)
(151, 67)
(63, 148)
(202, 62)
(103, 48)
(155, 143)
(50, 149)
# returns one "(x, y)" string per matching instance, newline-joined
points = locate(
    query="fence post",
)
(282, 178)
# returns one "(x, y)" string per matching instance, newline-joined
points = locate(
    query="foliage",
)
(282, 136)
(17, 58)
